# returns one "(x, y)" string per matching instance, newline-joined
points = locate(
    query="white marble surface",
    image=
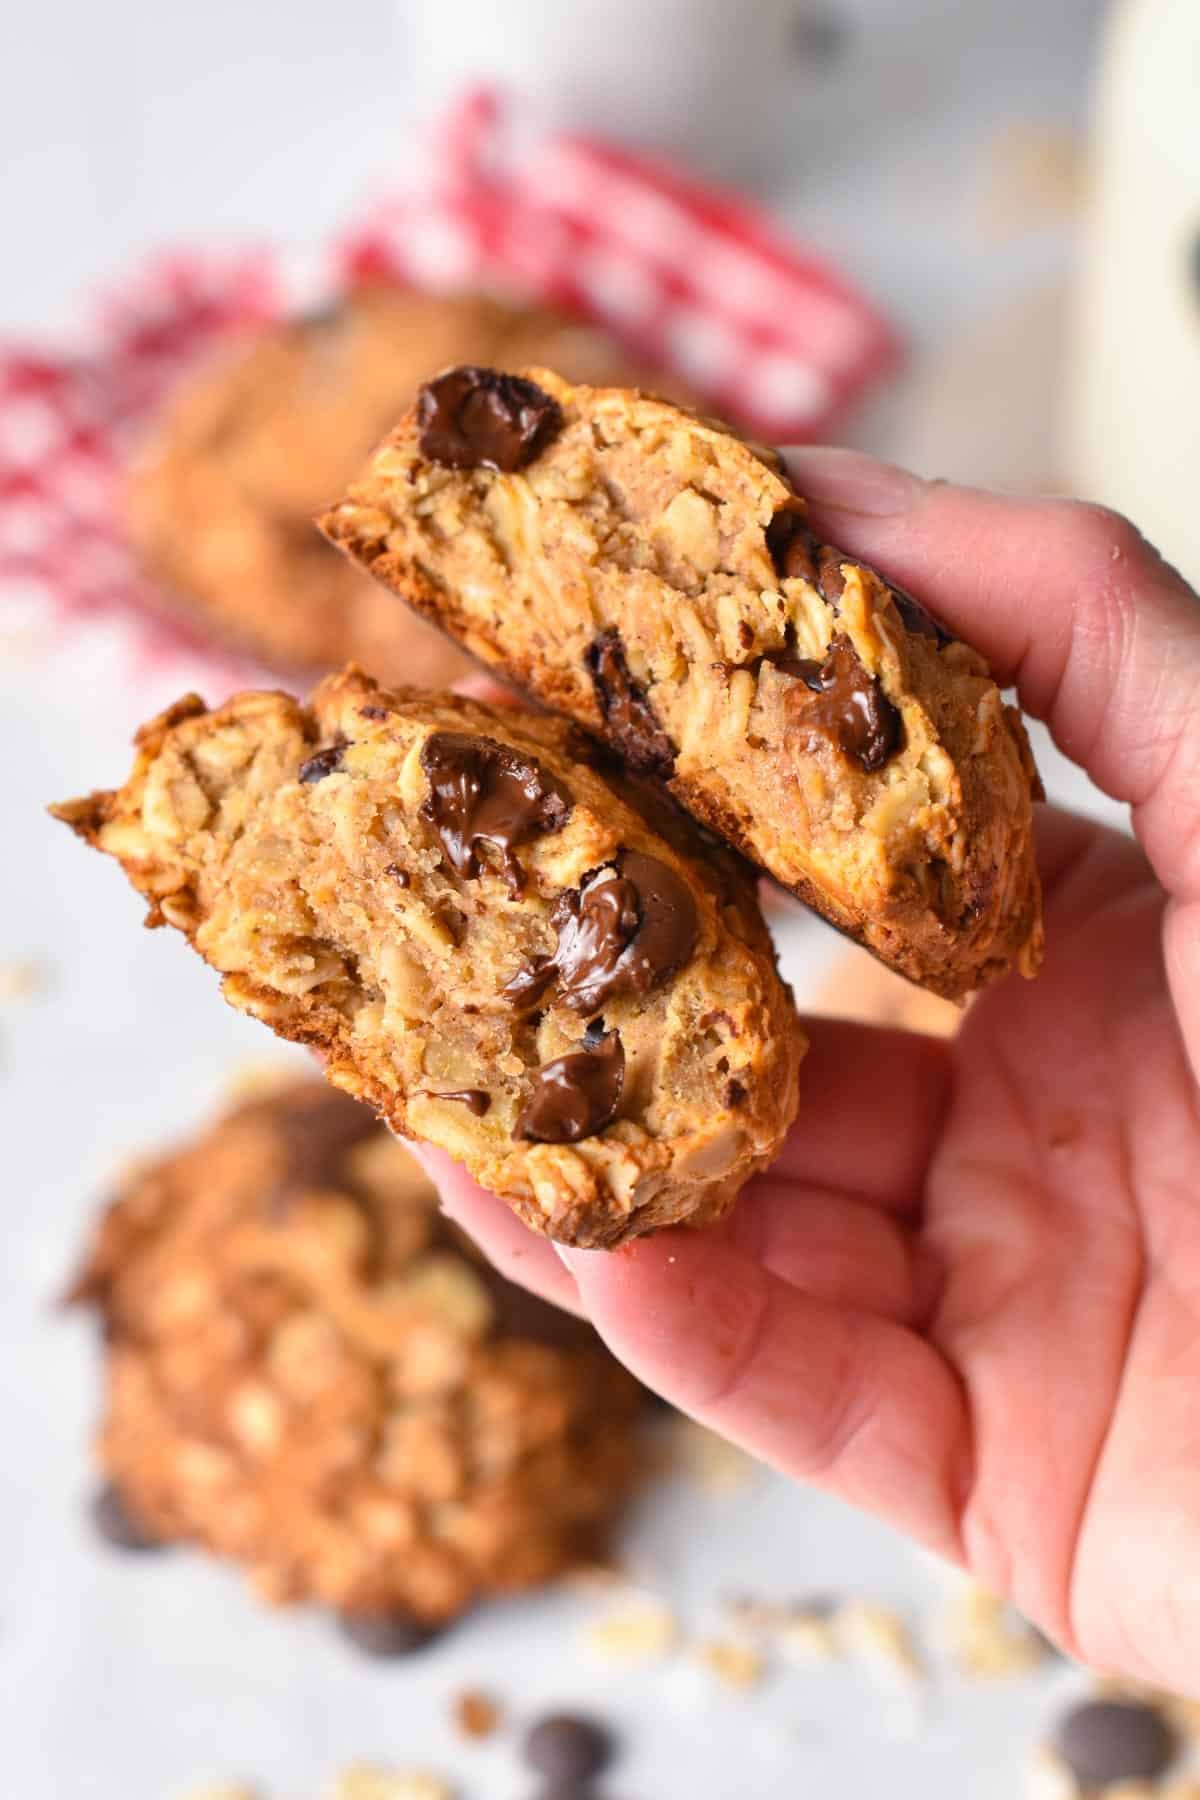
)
(121, 126)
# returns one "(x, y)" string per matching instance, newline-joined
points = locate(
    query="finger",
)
(1181, 940)
(853, 1403)
(835, 1249)
(486, 687)
(511, 1248)
(871, 1106)
(1068, 601)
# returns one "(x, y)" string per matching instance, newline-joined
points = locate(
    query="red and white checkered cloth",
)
(689, 278)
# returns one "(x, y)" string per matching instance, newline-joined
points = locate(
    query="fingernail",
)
(851, 482)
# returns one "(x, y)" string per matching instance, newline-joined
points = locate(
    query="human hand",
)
(967, 1297)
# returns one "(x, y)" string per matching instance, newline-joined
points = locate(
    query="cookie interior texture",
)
(220, 500)
(503, 949)
(651, 575)
(309, 1371)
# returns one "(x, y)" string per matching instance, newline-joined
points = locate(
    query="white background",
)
(124, 125)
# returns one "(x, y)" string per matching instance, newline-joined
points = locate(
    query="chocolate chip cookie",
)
(220, 502)
(504, 947)
(308, 1371)
(652, 576)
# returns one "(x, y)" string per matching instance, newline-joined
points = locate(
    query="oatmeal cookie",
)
(309, 1371)
(220, 501)
(503, 948)
(649, 574)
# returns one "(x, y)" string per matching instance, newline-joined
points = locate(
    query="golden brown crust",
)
(642, 525)
(219, 504)
(308, 1371)
(326, 900)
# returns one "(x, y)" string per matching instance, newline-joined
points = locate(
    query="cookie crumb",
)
(880, 1639)
(734, 1665)
(476, 1714)
(642, 1631)
(368, 1781)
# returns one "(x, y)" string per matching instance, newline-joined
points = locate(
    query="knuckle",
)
(1103, 535)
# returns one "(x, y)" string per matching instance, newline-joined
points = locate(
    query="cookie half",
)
(308, 1371)
(220, 500)
(504, 948)
(651, 575)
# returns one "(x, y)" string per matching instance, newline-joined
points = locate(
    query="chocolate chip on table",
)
(115, 1523)
(472, 418)
(484, 794)
(628, 715)
(1104, 1742)
(325, 762)
(576, 1095)
(624, 930)
(386, 1635)
(851, 706)
(566, 1747)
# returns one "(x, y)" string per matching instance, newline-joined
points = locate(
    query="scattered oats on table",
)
(643, 1630)
(988, 1639)
(880, 1639)
(368, 1781)
(734, 1665)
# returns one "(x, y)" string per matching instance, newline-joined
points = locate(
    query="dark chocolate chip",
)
(324, 763)
(576, 1095)
(473, 418)
(623, 931)
(795, 552)
(474, 1099)
(116, 1524)
(481, 793)
(628, 715)
(851, 706)
(1106, 1741)
(568, 1747)
(735, 1093)
(913, 616)
(386, 1634)
(400, 876)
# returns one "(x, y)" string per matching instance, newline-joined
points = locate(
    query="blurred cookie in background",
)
(220, 501)
(309, 1371)
(859, 988)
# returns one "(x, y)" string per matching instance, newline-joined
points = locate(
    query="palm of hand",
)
(960, 1298)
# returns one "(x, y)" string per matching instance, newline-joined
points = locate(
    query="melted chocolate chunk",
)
(625, 930)
(796, 552)
(116, 1524)
(474, 418)
(400, 876)
(482, 793)
(325, 762)
(474, 1099)
(576, 1095)
(851, 707)
(628, 715)
(735, 1093)
(913, 616)
(387, 1634)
